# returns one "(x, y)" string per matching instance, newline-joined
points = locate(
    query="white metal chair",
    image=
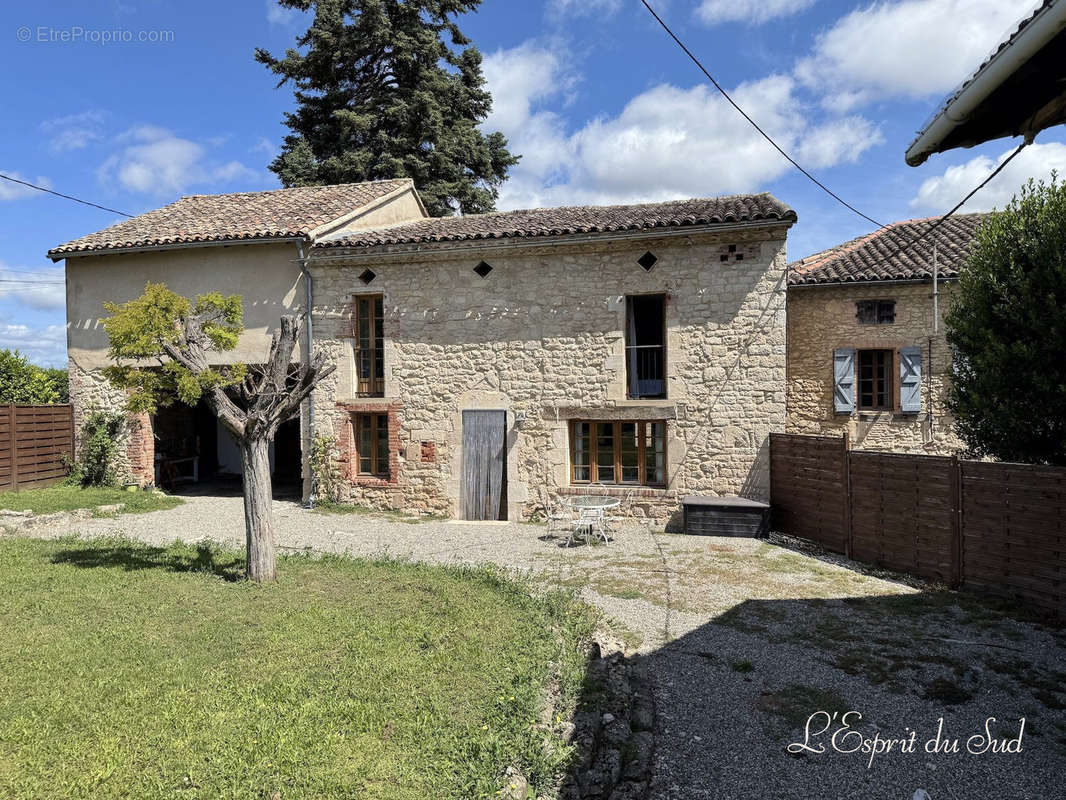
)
(589, 522)
(558, 514)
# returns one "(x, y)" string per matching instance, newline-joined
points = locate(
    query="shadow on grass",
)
(133, 557)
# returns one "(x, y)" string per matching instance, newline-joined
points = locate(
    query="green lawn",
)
(138, 672)
(66, 497)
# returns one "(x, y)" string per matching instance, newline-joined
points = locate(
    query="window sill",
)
(371, 480)
(614, 490)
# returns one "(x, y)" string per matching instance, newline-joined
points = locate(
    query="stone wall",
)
(542, 338)
(822, 319)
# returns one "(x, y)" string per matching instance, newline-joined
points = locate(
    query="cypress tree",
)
(390, 89)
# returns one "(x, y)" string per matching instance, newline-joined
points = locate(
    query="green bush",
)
(26, 383)
(1007, 326)
(96, 456)
(326, 476)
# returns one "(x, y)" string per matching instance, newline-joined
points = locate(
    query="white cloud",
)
(667, 142)
(942, 192)
(74, 131)
(752, 12)
(46, 346)
(23, 286)
(266, 147)
(156, 161)
(14, 191)
(278, 15)
(900, 49)
(578, 7)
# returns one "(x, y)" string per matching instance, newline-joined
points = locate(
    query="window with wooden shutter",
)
(910, 380)
(624, 452)
(367, 328)
(844, 380)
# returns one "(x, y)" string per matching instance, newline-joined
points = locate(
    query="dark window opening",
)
(372, 444)
(483, 269)
(646, 345)
(875, 380)
(647, 261)
(367, 276)
(875, 312)
(620, 453)
(369, 346)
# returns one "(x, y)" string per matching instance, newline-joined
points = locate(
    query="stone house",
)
(485, 363)
(867, 352)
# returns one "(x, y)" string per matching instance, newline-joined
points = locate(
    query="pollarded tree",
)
(170, 342)
(1007, 326)
(390, 89)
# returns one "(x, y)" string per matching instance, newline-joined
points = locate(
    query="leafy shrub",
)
(96, 456)
(324, 472)
(26, 383)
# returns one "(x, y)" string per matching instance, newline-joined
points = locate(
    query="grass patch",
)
(743, 667)
(795, 703)
(329, 507)
(68, 497)
(947, 692)
(132, 671)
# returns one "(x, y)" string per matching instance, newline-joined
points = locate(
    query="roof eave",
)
(329, 250)
(105, 251)
(1048, 23)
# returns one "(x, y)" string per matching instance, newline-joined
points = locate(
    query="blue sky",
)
(133, 103)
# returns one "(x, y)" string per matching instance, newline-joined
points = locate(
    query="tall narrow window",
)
(372, 444)
(646, 345)
(369, 346)
(618, 453)
(875, 380)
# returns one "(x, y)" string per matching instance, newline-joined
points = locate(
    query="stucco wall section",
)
(821, 319)
(542, 339)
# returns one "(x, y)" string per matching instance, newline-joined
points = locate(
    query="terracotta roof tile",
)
(877, 256)
(573, 220)
(282, 213)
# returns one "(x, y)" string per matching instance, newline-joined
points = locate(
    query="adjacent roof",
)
(278, 214)
(573, 220)
(877, 256)
(1018, 90)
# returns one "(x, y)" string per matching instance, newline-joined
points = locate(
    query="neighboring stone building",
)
(864, 353)
(485, 362)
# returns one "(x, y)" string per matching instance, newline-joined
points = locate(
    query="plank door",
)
(484, 465)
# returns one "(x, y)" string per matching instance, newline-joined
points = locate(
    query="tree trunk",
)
(258, 516)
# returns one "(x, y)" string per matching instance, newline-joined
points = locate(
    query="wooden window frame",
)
(379, 461)
(876, 306)
(372, 386)
(890, 367)
(643, 427)
(629, 345)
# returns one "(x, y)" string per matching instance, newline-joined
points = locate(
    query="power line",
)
(66, 196)
(941, 220)
(754, 124)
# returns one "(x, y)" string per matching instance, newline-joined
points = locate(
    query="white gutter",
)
(1048, 23)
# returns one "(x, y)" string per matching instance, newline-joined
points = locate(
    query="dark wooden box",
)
(726, 516)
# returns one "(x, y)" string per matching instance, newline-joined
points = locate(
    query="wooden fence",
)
(33, 443)
(996, 528)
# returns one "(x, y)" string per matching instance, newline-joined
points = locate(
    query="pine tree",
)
(390, 89)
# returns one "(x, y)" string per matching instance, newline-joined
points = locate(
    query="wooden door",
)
(484, 465)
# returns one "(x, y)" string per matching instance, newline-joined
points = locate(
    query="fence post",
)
(845, 463)
(11, 409)
(956, 522)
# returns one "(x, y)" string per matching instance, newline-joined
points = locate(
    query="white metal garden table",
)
(590, 510)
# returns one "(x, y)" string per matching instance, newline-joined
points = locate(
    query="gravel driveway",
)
(744, 641)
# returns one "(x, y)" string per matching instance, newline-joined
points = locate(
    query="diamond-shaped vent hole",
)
(647, 261)
(367, 276)
(483, 269)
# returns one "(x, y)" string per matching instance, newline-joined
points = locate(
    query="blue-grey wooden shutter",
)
(844, 380)
(910, 380)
